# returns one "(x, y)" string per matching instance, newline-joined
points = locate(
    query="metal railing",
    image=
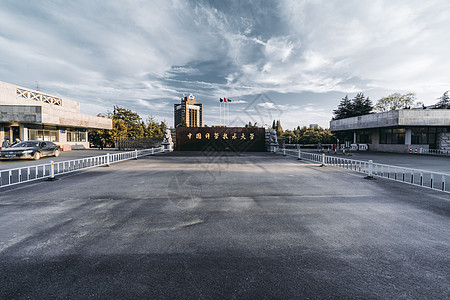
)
(50, 170)
(434, 151)
(423, 178)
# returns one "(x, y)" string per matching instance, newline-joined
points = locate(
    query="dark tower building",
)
(188, 113)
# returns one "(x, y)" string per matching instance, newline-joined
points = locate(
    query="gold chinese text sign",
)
(237, 139)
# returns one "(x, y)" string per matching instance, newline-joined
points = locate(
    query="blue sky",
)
(290, 59)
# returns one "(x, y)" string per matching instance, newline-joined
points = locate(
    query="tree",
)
(289, 136)
(250, 125)
(361, 105)
(358, 106)
(126, 123)
(395, 101)
(310, 135)
(279, 129)
(135, 125)
(343, 110)
(444, 102)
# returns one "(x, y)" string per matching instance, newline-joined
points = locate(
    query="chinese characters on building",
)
(224, 136)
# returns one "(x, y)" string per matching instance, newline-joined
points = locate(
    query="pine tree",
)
(444, 102)
(344, 109)
(361, 105)
(279, 129)
(358, 106)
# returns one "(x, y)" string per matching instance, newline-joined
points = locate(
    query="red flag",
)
(225, 99)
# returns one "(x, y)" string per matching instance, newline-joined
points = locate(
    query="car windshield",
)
(26, 144)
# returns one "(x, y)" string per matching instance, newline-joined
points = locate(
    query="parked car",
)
(30, 150)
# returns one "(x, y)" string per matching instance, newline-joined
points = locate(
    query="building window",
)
(392, 136)
(76, 136)
(425, 135)
(363, 137)
(43, 135)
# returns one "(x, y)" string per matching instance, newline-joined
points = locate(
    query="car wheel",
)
(56, 153)
(37, 156)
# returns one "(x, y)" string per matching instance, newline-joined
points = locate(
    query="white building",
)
(398, 130)
(32, 115)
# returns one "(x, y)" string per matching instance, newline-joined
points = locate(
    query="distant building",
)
(28, 114)
(398, 130)
(188, 113)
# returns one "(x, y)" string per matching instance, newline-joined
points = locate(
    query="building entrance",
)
(15, 133)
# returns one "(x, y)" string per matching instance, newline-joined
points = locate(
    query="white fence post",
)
(370, 169)
(299, 155)
(52, 170)
(135, 153)
(323, 160)
(107, 159)
(284, 151)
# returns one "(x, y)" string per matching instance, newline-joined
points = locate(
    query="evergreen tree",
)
(358, 106)
(444, 102)
(279, 129)
(361, 105)
(343, 110)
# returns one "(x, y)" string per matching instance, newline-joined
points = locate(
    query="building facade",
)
(398, 130)
(32, 115)
(188, 113)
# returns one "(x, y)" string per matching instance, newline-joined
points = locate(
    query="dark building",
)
(188, 113)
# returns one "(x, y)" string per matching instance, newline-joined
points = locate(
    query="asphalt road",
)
(212, 226)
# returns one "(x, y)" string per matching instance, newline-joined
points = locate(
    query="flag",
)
(224, 99)
(229, 100)
(221, 100)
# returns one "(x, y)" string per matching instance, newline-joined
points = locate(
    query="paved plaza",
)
(214, 225)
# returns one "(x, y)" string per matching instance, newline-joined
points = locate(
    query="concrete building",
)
(188, 112)
(398, 130)
(32, 115)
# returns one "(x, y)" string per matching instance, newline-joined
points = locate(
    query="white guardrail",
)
(50, 170)
(428, 179)
(434, 151)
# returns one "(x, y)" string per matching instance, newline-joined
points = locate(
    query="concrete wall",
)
(52, 116)
(404, 117)
(387, 119)
(20, 114)
(22, 110)
(8, 96)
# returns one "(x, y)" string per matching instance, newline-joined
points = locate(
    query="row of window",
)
(392, 136)
(53, 136)
(419, 135)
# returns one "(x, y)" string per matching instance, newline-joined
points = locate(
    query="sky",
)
(291, 60)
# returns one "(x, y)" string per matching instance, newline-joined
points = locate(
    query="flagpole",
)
(228, 113)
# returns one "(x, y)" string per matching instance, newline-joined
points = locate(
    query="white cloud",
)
(125, 52)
